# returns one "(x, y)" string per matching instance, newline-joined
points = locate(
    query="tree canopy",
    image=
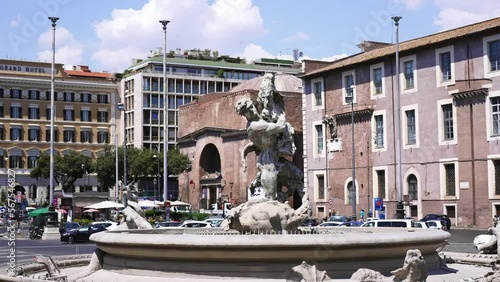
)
(67, 168)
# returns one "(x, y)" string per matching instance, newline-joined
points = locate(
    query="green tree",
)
(140, 163)
(67, 168)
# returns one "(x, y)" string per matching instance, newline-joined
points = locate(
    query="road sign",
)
(378, 203)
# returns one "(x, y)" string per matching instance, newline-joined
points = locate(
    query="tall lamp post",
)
(52, 114)
(165, 118)
(157, 157)
(353, 187)
(117, 186)
(121, 107)
(400, 213)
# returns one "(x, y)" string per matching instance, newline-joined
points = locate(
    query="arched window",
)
(349, 195)
(412, 186)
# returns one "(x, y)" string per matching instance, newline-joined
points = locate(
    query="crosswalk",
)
(20, 254)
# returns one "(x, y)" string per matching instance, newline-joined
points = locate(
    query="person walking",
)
(362, 215)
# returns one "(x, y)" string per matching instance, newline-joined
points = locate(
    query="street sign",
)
(378, 203)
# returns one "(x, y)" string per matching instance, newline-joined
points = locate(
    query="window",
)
(34, 134)
(3, 162)
(1, 110)
(447, 111)
(47, 135)
(15, 162)
(85, 115)
(377, 81)
(69, 96)
(102, 116)
(34, 113)
(445, 64)
(16, 134)
(408, 73)
(321, 186)
(85, 97)
(379, 127)
(449, 170)
(2, 133)
(69, 135)
(494, 55)
(102, 99)
(15, 93)
(348, 89)
(350, 191)
(381, 183)
(102, 137)
(86, 136)
(412, 187)
(32, 161)
(319, 139)
(47, 112)
(69, 115)
(34, 94)
(317, 89)
(496, 173)
(495, 116)
(411, 128)
(16, 111)
(146, 85)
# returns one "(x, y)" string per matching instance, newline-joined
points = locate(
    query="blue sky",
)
(107, 35)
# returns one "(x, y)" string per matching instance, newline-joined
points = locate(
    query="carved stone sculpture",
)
(369, 275)
(263, 216)
(413, 270)
(133, 215)
(310, 273)
(53, 272)
(491, 246)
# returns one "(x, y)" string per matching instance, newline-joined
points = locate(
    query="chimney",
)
(366, 46)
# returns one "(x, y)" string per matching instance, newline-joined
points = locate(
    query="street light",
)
(165, 117)
(157, 175)
(400, 213)
(350, 99)
(52, 113)
(121, 107)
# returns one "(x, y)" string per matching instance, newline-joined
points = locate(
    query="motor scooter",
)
(36, 233)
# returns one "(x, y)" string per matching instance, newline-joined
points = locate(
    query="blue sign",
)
(378, 203)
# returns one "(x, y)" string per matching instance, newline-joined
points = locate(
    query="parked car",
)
(195, 223)
(68, 226)
(420, 224)
(351, 224)
(330, 224)
(109, 225)
(436, 224)
(81, 234)
(214, 220)
(372, 218)
(404, 223)
(167, 224)
(445, 220)
(338, 218)
(310, 222)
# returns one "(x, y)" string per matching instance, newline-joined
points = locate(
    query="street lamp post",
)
(165, 117)
(353, 187)
(116, 163)
(121, 107)
(397, 130)
(157, 157)
(52, 113)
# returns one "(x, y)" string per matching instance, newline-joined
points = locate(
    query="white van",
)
(404, 223)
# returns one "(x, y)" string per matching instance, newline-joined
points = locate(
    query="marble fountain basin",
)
(339, 251)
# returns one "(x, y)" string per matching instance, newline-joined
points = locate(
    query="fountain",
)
(260, 239)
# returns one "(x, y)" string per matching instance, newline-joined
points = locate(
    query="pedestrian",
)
(362, 215)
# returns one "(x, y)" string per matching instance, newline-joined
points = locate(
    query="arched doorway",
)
(412, 183)
(210, 178)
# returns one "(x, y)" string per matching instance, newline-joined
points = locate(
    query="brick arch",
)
(210, 161)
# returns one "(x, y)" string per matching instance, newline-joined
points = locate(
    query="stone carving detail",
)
(331, 122)
(271, 138)
(491, 246)
(53, 272)
(133, 215)
(310, 273)
(413, 270)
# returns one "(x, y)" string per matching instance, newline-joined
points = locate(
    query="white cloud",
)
(299, 36)
(68, 49)
(456, 13)
(253, 51)
(130, 33)
(411, 4)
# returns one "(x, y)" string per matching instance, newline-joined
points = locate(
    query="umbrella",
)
(179, 203)
(147, 204)
(104, 205)
(38, 212)
(91, 210)
(62, 211)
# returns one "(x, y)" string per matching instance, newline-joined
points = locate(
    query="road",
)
(26, 249)
(461, 240)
